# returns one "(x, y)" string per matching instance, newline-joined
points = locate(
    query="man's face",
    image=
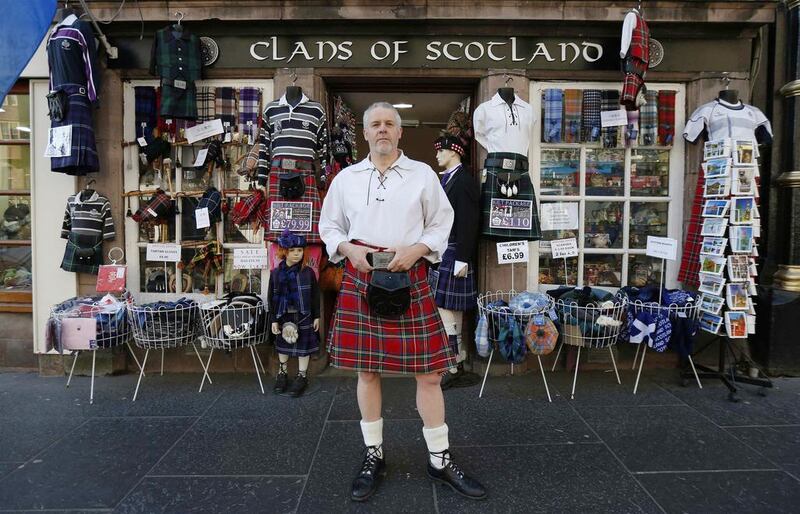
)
(382, 131)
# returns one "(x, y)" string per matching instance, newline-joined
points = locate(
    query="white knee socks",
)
(437, 441)
(373, 434)
(302, 364)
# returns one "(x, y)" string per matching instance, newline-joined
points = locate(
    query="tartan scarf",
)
(249, 109)
(632, 129)
(286, 290)
(553, 110)
(572, 115)
(666, 117)
(590, 119)
(225, 104)
(205, 104)
(649, 118)
(210, 255)
(146, 117)
(609, 102)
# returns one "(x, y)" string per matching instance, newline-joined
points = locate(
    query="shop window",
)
(16, 278)
(608, 187)
(174, 167)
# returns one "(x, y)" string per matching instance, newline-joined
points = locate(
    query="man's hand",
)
(406, 256)
(316, 324)
(357, 255)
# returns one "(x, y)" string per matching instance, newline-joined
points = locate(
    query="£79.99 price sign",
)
(512, 252)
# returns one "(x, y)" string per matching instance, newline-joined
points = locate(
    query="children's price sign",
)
(512, 252)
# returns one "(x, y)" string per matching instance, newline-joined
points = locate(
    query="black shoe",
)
(453, 476)
(281, 381)
(451, 379)
(298, 386)
(366, 482)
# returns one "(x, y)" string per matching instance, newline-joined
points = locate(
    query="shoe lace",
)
(370, 460)
(447, 461)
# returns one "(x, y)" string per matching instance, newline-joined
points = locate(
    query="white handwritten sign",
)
(563, 248)
(616, 118)
(163, 252)
(662, 248)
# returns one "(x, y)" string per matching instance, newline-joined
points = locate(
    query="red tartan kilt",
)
(415, 343)
(311, 194)
(630, 88)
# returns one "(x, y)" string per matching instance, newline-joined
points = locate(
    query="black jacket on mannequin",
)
(462, 191)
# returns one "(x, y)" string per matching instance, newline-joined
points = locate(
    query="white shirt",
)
(724, 120)
(500, 128)
(405, 207)
(627, 33)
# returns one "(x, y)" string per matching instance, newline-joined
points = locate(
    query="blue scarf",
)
(287, 293)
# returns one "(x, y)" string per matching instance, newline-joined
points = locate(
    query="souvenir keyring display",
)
(162, 325)
(512, 316)
(592, 324)
(239, 321)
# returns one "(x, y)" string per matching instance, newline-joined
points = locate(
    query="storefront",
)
(610, 196)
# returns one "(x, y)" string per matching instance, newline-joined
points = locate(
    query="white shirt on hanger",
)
(406, 206)
(503, 128)
(627, 32)
(725, 120)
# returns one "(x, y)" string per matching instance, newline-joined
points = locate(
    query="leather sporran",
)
(389, 293)
(292, 186)
(57, 105)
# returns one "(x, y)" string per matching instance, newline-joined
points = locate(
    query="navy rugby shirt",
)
(72, 56)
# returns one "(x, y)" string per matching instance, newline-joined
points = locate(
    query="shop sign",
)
(250, 258)
(512, 252)
(662, 248)
(163, 252)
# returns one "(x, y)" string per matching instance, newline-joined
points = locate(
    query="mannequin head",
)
(447, 159)
(449, 151)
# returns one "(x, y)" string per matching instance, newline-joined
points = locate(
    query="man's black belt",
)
(286, 163)
(506, 162)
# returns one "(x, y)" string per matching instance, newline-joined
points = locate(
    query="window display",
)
(649, 172)
(603, 225)
(602, 270)
(560, 171)
(605, 172)
(647, 219)
(644, 271)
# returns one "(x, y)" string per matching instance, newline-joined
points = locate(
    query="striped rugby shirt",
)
(287, 131)
(88, 220)
(72, 56)
(724, 120)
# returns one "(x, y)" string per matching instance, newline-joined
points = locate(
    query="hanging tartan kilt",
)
(414, 344)
(307, 340)
(491, 190)
(635, 70)
(449, 291)
(311, 194)
(690, 258)
(83, 156)
(71, 262)
(178, 102)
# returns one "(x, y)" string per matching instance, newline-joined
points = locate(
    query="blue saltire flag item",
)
(23, 26)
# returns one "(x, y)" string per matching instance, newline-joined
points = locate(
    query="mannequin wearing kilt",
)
(293, 296)
(453, 282)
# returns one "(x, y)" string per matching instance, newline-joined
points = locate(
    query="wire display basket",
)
(673, 312)
(509, 314)
(593, 324)
(232, 324)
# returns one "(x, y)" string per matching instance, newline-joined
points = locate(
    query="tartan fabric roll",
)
(225, 104)
(553, 111)
(609, 102)
(649, 118)
(249, 110)
(572, 115)
(632, 129)
(590, 115)
(146, 111)
(206, 103)
(666, 117)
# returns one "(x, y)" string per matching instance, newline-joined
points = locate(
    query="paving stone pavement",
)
(231, 449)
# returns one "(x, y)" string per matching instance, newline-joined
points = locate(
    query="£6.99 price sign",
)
(512, 252)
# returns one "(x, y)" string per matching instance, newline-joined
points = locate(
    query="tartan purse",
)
(389, 293)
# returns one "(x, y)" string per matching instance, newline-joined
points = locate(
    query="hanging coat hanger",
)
(177, 26)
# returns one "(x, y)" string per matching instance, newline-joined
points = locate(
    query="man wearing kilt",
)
(390, 203)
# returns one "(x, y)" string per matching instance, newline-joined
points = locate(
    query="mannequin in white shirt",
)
(627, 31)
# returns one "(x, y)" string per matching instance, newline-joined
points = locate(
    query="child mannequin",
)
(293, 297)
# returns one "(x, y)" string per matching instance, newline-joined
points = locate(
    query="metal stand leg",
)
(575, 378)
(636, 356)
(641, 365)
(205, 366)
(141, 372)
(614, 362)
(74, 360)
(264, 371)
(91, 388)
(544, 378)
(255, 365)
(133, 355)
(162, 362)
(558, 352)
(696, 377)
(485, 375)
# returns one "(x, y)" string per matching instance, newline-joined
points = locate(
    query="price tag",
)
(163, 252)
(228, 137)
(511, 214)
(563, 248)
(180, 84)
(142, 141)
(512, 252)
(201, 158)
(662, 248)
(201, 218)
(143, 158)
(616, 118)
(538, 320)
(250, 258)
(152, 212)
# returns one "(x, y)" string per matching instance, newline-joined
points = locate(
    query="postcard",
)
(714, 227)
(742, 210)
(714, 245)
(744, 152)
(737, 297)
(717, 168)
(711, 284)
(712, 264)
(715, 187)
(711, 304)
(710, 322)
(738, 268)
(744, 182)
(716, 149)
(735, 324)
(741, 239)
(716, 208)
